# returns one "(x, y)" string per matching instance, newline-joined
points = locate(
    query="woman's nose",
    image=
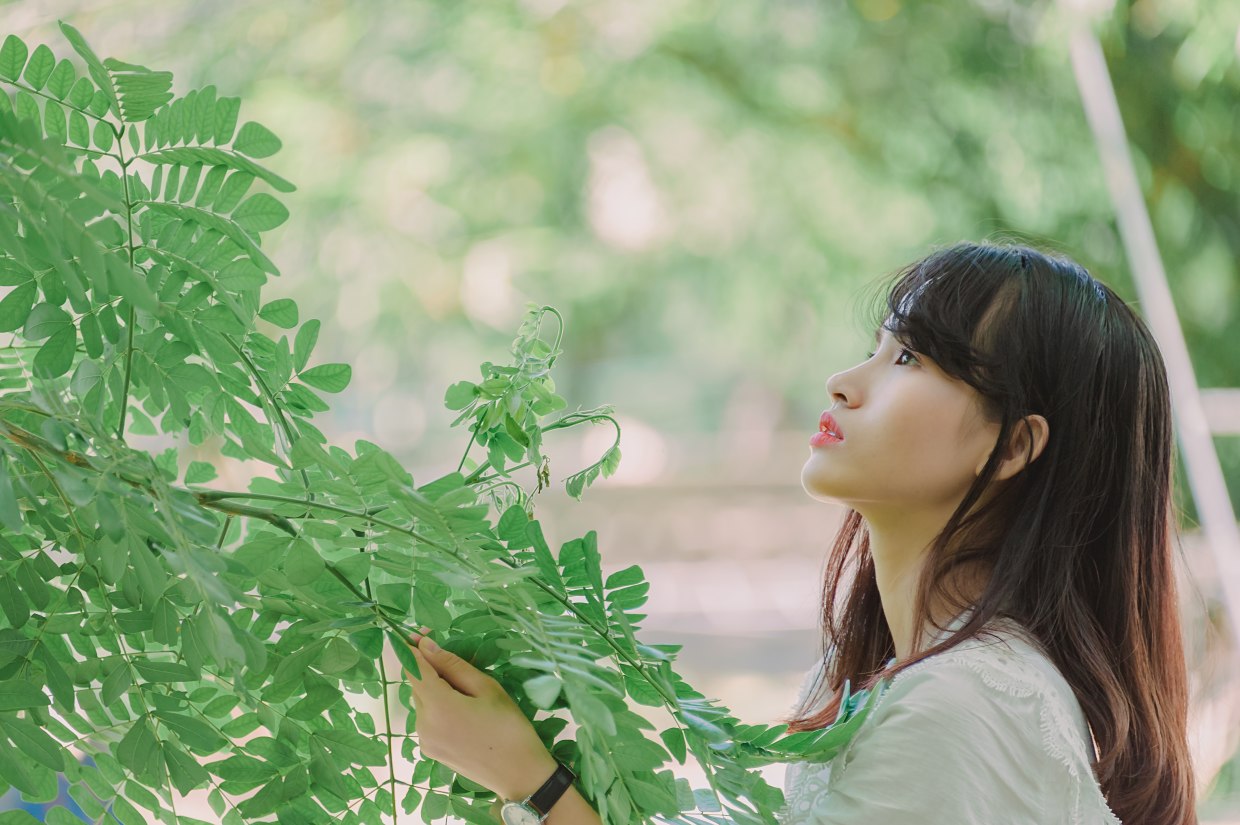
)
(836, 389)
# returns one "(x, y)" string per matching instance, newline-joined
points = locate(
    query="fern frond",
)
(212, 156)
(103, 81)
(140, 90)
(192, 215)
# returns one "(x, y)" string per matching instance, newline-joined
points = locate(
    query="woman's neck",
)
(899, 554)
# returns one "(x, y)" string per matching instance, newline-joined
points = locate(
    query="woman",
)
(1006, 458)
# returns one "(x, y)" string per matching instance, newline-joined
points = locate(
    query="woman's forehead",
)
(888, 325)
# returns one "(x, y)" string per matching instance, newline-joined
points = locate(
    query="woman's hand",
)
(467, 721)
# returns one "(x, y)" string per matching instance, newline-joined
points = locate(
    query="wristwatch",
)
(535, 807)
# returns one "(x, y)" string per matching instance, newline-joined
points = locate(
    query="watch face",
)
(514, 813)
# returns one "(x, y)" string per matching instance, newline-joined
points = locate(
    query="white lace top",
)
(985, 733)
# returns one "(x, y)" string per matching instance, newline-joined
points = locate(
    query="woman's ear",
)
(1027, 441)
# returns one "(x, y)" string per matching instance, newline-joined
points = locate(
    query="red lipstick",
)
(829, 431)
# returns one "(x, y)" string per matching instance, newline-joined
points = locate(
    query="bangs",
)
(951, 305)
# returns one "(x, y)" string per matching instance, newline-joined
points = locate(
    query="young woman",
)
(1006, 457)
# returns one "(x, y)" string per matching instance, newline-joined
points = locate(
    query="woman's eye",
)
(902, 353)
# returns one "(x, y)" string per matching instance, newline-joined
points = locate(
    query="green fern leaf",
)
(256, 140)
(13, 273)
(82, 93)
(61, 79)
(202, 116)
(260, 213)
(303, 344)
(137, 187)
(281, 312)
(54, 121)
(26, 108)
(45, 320)
(15, 307)
(183, 108)
(92, 337)
(39, 69)
(328, 377)
(226, 109)
(55, 357)
(79, 130)
(232, 192)
(157, 178)
(171, 124)
(13, 56)
(211, 183)
(190, 184)
(173, 183)
(99, 104)
(103, 136)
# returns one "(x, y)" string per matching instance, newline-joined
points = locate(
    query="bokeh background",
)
(706, 191)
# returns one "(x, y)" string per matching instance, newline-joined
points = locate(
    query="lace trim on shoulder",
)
(1006, 671)
(805, 783)
(805, 792)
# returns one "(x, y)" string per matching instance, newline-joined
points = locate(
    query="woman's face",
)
(914, 438)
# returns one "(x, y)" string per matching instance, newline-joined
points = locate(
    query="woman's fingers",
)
(454, 672)
(420, 686)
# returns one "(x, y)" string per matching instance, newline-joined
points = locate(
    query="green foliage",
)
(192, 638)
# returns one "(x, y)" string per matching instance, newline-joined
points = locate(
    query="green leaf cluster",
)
(186, 637)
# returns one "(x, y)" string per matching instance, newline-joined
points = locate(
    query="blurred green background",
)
(701, 187)
(705, 190)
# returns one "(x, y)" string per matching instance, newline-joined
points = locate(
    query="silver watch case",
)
(520, 813)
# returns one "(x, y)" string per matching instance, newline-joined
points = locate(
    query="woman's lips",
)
(822, 439)
(828, 431)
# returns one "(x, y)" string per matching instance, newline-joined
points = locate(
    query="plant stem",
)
(65, 103)
(387, 720)
(472, 437)
(131, 321)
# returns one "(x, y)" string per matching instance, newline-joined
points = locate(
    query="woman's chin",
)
(821, 489)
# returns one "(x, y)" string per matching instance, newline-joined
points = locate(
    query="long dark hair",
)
(1078, 545)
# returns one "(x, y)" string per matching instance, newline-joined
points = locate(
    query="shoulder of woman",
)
(1001, 698)
(977, 676)
(1003, 686)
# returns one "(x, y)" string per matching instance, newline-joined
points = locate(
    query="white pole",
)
(1205, 476)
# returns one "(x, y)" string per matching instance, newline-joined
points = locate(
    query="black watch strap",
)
(546, 796)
